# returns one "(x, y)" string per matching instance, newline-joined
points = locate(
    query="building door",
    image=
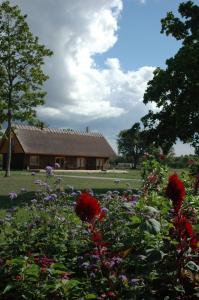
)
(60, 161)
(91, 163)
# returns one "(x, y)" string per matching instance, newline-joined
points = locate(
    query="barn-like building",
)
(35, 148)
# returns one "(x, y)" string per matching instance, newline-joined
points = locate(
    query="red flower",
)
(191, 162)
(186, 231)
(185, 228)
(87, 207)
(97, 238)
(162, 156)
(175, 191)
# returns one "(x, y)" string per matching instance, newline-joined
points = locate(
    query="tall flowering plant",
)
(176, 192)
(182, 227)
(88, 208)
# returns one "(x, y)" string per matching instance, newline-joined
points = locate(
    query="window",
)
(99, 163)
(80, 162)
(60, 161)
(34, 160)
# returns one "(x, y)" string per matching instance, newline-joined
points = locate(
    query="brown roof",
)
(62, 142)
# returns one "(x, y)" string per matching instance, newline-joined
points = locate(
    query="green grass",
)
(19, 180)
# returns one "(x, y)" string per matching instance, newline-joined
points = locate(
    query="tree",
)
(175, 90)
(131, 145)
(21, 74)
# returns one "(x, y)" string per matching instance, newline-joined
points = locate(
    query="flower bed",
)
(77, 245)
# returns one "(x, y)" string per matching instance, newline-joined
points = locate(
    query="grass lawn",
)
(19, 180)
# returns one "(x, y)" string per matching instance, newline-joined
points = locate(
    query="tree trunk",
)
(135, 163)
(9, 152)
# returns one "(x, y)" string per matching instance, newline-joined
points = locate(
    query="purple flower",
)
(117, 181)
(49, 171)
(115, 261)
(73, 194)
(53, 196)
(109, 193)
(135, 198)
(12, 195)
(116, 192)
(37, 181)
(85, 265)
(12, 210)
(33, 201)
(59, 179)
(8, 217)
(47, 198)
(134, 281)
(70, 188)
(123, 277)
(50, 197)
(57, 166)
(104, 209)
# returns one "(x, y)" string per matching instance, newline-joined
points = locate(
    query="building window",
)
(99, 163)
(34, 160)
(60, 161)
(81, 162)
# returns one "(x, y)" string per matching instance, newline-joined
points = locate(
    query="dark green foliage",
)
(175, 90)
(131, 144)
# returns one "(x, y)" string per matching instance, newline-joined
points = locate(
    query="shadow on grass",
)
(20, 201)
(98, 191)
(25, 198)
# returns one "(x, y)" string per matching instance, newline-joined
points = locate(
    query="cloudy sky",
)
(105, 52)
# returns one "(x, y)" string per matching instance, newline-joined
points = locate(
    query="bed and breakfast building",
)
(35, 148)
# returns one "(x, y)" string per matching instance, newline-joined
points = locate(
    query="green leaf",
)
(154, 256)
(135, 220)
(70, 284)
(59, 267)
(90, 296)
(16, 261)
(151, 225)
(151, 209)
(8, 288)
(32, 271)
(179, 288)
(191, 265)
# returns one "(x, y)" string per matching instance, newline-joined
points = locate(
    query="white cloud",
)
(79, 91)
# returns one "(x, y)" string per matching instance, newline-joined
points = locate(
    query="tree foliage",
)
(21, 73)
(131, 144)
(175, 90)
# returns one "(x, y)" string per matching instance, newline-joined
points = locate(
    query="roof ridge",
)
(58, 130)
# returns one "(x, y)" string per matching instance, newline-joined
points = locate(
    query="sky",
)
(105, 52)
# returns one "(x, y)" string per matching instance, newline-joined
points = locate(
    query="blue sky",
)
(140, 42)
(105, 52)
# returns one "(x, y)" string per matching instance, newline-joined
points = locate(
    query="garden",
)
(68, 242)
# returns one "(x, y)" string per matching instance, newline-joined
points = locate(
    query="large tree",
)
(21, 73)
(175, 90)
(131, 144)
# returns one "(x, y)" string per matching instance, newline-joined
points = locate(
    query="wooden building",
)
(35, 148)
